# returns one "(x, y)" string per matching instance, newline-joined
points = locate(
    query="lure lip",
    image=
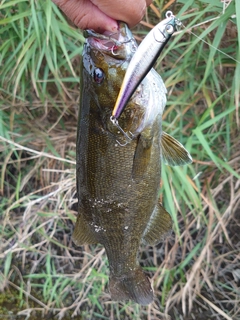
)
(143, 60)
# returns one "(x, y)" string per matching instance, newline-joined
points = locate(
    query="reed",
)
(196, 270)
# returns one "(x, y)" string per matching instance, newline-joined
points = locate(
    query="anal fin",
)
(82, 234)
(158, 227)
(173, 152)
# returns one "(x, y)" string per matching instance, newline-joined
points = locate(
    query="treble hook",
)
(112, 50)
(115, 123)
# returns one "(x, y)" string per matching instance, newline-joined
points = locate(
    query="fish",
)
(118, 179)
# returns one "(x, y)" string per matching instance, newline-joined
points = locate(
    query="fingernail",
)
(113, 27)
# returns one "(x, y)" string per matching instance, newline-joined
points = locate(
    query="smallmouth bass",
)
(118, 180)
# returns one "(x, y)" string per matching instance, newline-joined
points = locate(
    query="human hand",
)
(102, 15)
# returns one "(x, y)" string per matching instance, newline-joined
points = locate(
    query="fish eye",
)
(169, 29)
(98, 75)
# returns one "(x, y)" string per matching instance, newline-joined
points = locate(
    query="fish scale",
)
(118, 178)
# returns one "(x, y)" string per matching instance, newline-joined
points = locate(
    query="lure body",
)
(144, 59)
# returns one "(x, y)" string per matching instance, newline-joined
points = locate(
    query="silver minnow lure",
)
(143, 60)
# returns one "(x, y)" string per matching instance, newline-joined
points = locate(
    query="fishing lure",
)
(143, 60)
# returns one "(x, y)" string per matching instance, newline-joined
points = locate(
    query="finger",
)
(86, 15)
(130, 11)
(148, 2)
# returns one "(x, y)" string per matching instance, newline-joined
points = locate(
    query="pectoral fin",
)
(159, 226)
(173, 152)
(82, 233)
(141, 157)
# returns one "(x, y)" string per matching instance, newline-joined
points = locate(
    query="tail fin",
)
(131, 286)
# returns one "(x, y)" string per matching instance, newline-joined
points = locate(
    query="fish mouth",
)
(112, 43)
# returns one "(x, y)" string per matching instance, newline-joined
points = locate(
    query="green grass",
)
(195, 271)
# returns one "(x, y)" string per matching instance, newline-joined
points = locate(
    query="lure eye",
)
(98, 75)
(169, 29)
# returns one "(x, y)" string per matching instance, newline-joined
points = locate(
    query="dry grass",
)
(38, 226)
(195, 272)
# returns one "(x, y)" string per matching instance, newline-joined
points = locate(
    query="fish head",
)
(105, 61)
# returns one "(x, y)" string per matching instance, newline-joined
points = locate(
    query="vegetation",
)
(195, 271)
